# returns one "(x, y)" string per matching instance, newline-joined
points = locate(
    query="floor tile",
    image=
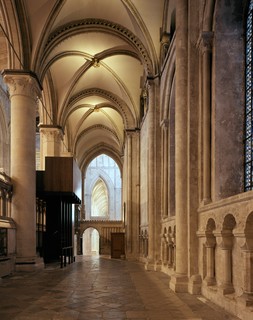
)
(99, 288)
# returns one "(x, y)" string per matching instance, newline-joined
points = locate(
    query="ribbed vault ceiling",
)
(96, 55)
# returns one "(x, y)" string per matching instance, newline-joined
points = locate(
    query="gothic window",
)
(249, 101)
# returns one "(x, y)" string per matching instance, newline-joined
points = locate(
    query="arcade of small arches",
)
(102, 212)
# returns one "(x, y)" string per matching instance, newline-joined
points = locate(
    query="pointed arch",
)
(99, 200)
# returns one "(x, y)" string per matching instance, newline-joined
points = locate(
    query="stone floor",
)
(99, 288)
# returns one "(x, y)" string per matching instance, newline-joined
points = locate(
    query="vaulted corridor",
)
(99, 288)
(126, 131)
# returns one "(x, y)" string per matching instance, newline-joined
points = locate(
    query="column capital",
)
(23, 83)
(224, 239)
(51, 131)
(132, 132)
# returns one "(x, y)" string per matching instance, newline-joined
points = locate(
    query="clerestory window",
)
(248, 181)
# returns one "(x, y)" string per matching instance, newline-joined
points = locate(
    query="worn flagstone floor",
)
(99, 288)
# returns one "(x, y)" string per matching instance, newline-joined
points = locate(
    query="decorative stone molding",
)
(51, 133)
(88, 25)
(100, 126)
(132, 132)
(119, 104)
(22, 83)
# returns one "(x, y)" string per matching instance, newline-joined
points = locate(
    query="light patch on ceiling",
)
(64, 69)
(90, 43)
(98, 78)
(94, 100)
(103, 9)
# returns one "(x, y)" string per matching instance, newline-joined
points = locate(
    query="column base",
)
(158, 265)
(206, 201)
(29, 263)
(179, 283)
(209, 281)
(246, 300)
(194, 286)
(150, 265)
(226, 289)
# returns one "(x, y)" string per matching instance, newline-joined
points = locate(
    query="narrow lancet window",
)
(249, 102)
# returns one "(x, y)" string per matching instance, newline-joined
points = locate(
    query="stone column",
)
(226, 245)
(165, 172)
(206, 47)
(129, 195)
(166, 257)
(163, 249)
(24, 90)
(82, 213)
(179, 282)
(247, 296)
(51, 142)
(133, 185)
(8, 204)
(152, 210)
(170, 254)
(210, 265)
(245, 241)
(2, 202)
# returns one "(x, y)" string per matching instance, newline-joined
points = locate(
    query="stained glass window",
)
(249, 101)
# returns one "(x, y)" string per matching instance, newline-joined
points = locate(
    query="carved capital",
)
(51, 133)
(224, 239)
(132, 132)
(22, 84)
(244, 240)
(210, 241)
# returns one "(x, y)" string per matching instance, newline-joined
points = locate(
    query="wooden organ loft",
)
(58, 190)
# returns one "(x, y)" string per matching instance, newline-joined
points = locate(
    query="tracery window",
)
(248, 180)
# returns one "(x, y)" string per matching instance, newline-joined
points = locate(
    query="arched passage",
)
(103, 189)
(91, 242)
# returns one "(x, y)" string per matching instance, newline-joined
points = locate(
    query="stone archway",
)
(91, 242)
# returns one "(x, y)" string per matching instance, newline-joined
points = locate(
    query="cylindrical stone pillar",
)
(24, 91)
(8, 199)
(151, 177)
(226, 285)
(165, 194)
(82, 214)
(2, 202)
(210, 279)
(206, 81)
(227, 266)
(179, 282)
(129, 193)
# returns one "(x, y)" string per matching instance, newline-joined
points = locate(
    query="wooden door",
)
(117, 245)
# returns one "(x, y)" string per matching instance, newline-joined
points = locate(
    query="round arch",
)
(91, 241)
